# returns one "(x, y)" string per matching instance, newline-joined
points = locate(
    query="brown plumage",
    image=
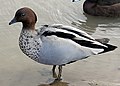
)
(93, 8)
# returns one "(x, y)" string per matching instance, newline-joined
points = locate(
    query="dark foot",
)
(58, 79)
(60, 72)
(54, 73)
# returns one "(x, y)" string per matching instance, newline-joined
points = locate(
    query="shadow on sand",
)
(55, 83)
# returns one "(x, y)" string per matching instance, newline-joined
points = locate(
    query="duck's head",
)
(26, 16)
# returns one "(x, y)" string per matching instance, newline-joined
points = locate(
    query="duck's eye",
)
(22, 14)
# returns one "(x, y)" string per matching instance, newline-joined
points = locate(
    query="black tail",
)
(109, 48)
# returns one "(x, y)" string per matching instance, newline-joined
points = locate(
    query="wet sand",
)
(16, 69)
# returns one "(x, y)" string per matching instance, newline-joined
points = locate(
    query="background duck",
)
(108, 8)
(102, 2)
(105, 2)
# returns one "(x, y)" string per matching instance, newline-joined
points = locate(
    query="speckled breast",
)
(30, 46)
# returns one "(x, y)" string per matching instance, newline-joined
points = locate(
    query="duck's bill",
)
(12, 21)
(75, 0)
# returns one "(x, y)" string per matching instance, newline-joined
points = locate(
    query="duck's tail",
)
(109, 48)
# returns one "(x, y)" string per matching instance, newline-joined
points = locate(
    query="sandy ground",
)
(16, 69)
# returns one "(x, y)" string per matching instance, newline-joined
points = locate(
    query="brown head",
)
(26, 16)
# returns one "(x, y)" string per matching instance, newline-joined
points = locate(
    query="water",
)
(18, 70)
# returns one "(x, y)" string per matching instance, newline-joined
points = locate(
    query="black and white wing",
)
(78, 36)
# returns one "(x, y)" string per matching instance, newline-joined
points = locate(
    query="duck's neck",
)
(29, 26)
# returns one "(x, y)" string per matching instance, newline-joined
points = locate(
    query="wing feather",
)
(59, 38)
(71, 33)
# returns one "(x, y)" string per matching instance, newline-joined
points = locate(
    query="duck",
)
(105, 2)
(106, 8)
(55, 44)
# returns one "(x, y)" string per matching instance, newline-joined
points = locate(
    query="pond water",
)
(18, 70)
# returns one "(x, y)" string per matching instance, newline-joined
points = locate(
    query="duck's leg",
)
(60, 72)
(54, 73)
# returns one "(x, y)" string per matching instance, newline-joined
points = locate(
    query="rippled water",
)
(17, 70)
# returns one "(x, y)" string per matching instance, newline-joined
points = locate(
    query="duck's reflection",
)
(92, 22)
(89, 25)
(55, 83)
